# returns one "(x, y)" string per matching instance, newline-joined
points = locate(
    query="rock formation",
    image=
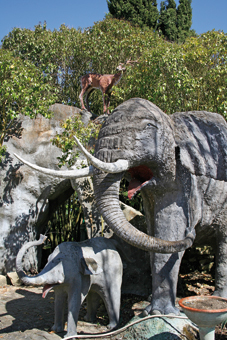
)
(26, 197)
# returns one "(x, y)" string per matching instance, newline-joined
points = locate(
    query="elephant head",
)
(55, 271)
(138, 138)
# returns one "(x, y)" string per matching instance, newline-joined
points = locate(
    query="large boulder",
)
(26, 197)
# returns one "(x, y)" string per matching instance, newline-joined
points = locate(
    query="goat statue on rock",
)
(179, 163)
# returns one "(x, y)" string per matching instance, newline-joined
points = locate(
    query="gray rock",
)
(160, 328)
(25, 196)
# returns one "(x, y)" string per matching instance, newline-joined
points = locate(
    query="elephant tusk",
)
(84, 172)
(119, 166)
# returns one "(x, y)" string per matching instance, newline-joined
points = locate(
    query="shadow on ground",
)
(27, 310)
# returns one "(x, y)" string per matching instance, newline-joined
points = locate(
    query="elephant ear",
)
(88, 266)
(201, 138)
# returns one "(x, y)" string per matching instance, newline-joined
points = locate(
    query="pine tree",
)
(171, 4)
(162, 18)
(168, 20)
(184, 19)
(139, 12)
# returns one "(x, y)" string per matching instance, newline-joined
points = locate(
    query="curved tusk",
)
(84, 172)
(116, 167)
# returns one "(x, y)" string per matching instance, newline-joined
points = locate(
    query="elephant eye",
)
(150, 125)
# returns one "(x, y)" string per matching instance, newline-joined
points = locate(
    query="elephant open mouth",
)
(140, 176)
(46, 289)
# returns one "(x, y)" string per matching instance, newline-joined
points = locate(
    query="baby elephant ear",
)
(88, 266)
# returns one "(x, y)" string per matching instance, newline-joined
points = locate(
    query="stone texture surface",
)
(14, 279)
(24, 193)
(160, 328)
(179, 163)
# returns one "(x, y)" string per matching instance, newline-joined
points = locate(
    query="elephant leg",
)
(221, 261)
(93, 303)
(77, 292)
(170, 224)
(164, 284)
(111, 295)
(59, 308)
(112, 304)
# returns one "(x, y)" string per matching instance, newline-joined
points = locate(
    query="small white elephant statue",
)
(91, 268)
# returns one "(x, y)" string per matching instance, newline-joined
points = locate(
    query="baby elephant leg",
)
(59, 307)
(76, 295)
(93, 303)
(112, 303)
(111, 294)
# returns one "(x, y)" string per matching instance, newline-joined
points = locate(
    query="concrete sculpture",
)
(91, 269)
(179, 164)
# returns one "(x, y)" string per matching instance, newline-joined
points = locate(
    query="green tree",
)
(52, 53)
(24, 89)
(184, 19)
(143, 12)
(168, 20)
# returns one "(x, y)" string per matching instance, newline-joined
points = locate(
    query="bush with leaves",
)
(75, 127)
(185, 77)
(191, 76)
(67, 54)
(24, 90)
(52, 53)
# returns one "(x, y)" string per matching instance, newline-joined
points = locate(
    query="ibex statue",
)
(103, 82)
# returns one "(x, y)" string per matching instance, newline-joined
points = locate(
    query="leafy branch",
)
(75, 127)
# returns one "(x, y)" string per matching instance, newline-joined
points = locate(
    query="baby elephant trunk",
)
(29, 280)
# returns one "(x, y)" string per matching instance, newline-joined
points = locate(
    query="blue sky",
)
(207, 14)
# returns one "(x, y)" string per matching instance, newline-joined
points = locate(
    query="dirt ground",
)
(25, 315)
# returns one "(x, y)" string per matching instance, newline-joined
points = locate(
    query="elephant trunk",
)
(106, 189)
(28, 280)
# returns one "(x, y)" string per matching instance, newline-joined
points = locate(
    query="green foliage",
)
(51, 53)
(168, 20)
(183, 77)
(173, 23)
(142, 13)
(75, 127)
(184, 19)
(66, 224)
(24, 90)
(190, 76)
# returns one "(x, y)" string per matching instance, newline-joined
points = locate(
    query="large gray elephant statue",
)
(76, 270)
(179, 163)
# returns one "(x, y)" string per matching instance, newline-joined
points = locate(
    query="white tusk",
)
(118, 166)
(84, 172)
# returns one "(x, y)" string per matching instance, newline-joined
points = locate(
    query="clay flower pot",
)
(206, 312)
